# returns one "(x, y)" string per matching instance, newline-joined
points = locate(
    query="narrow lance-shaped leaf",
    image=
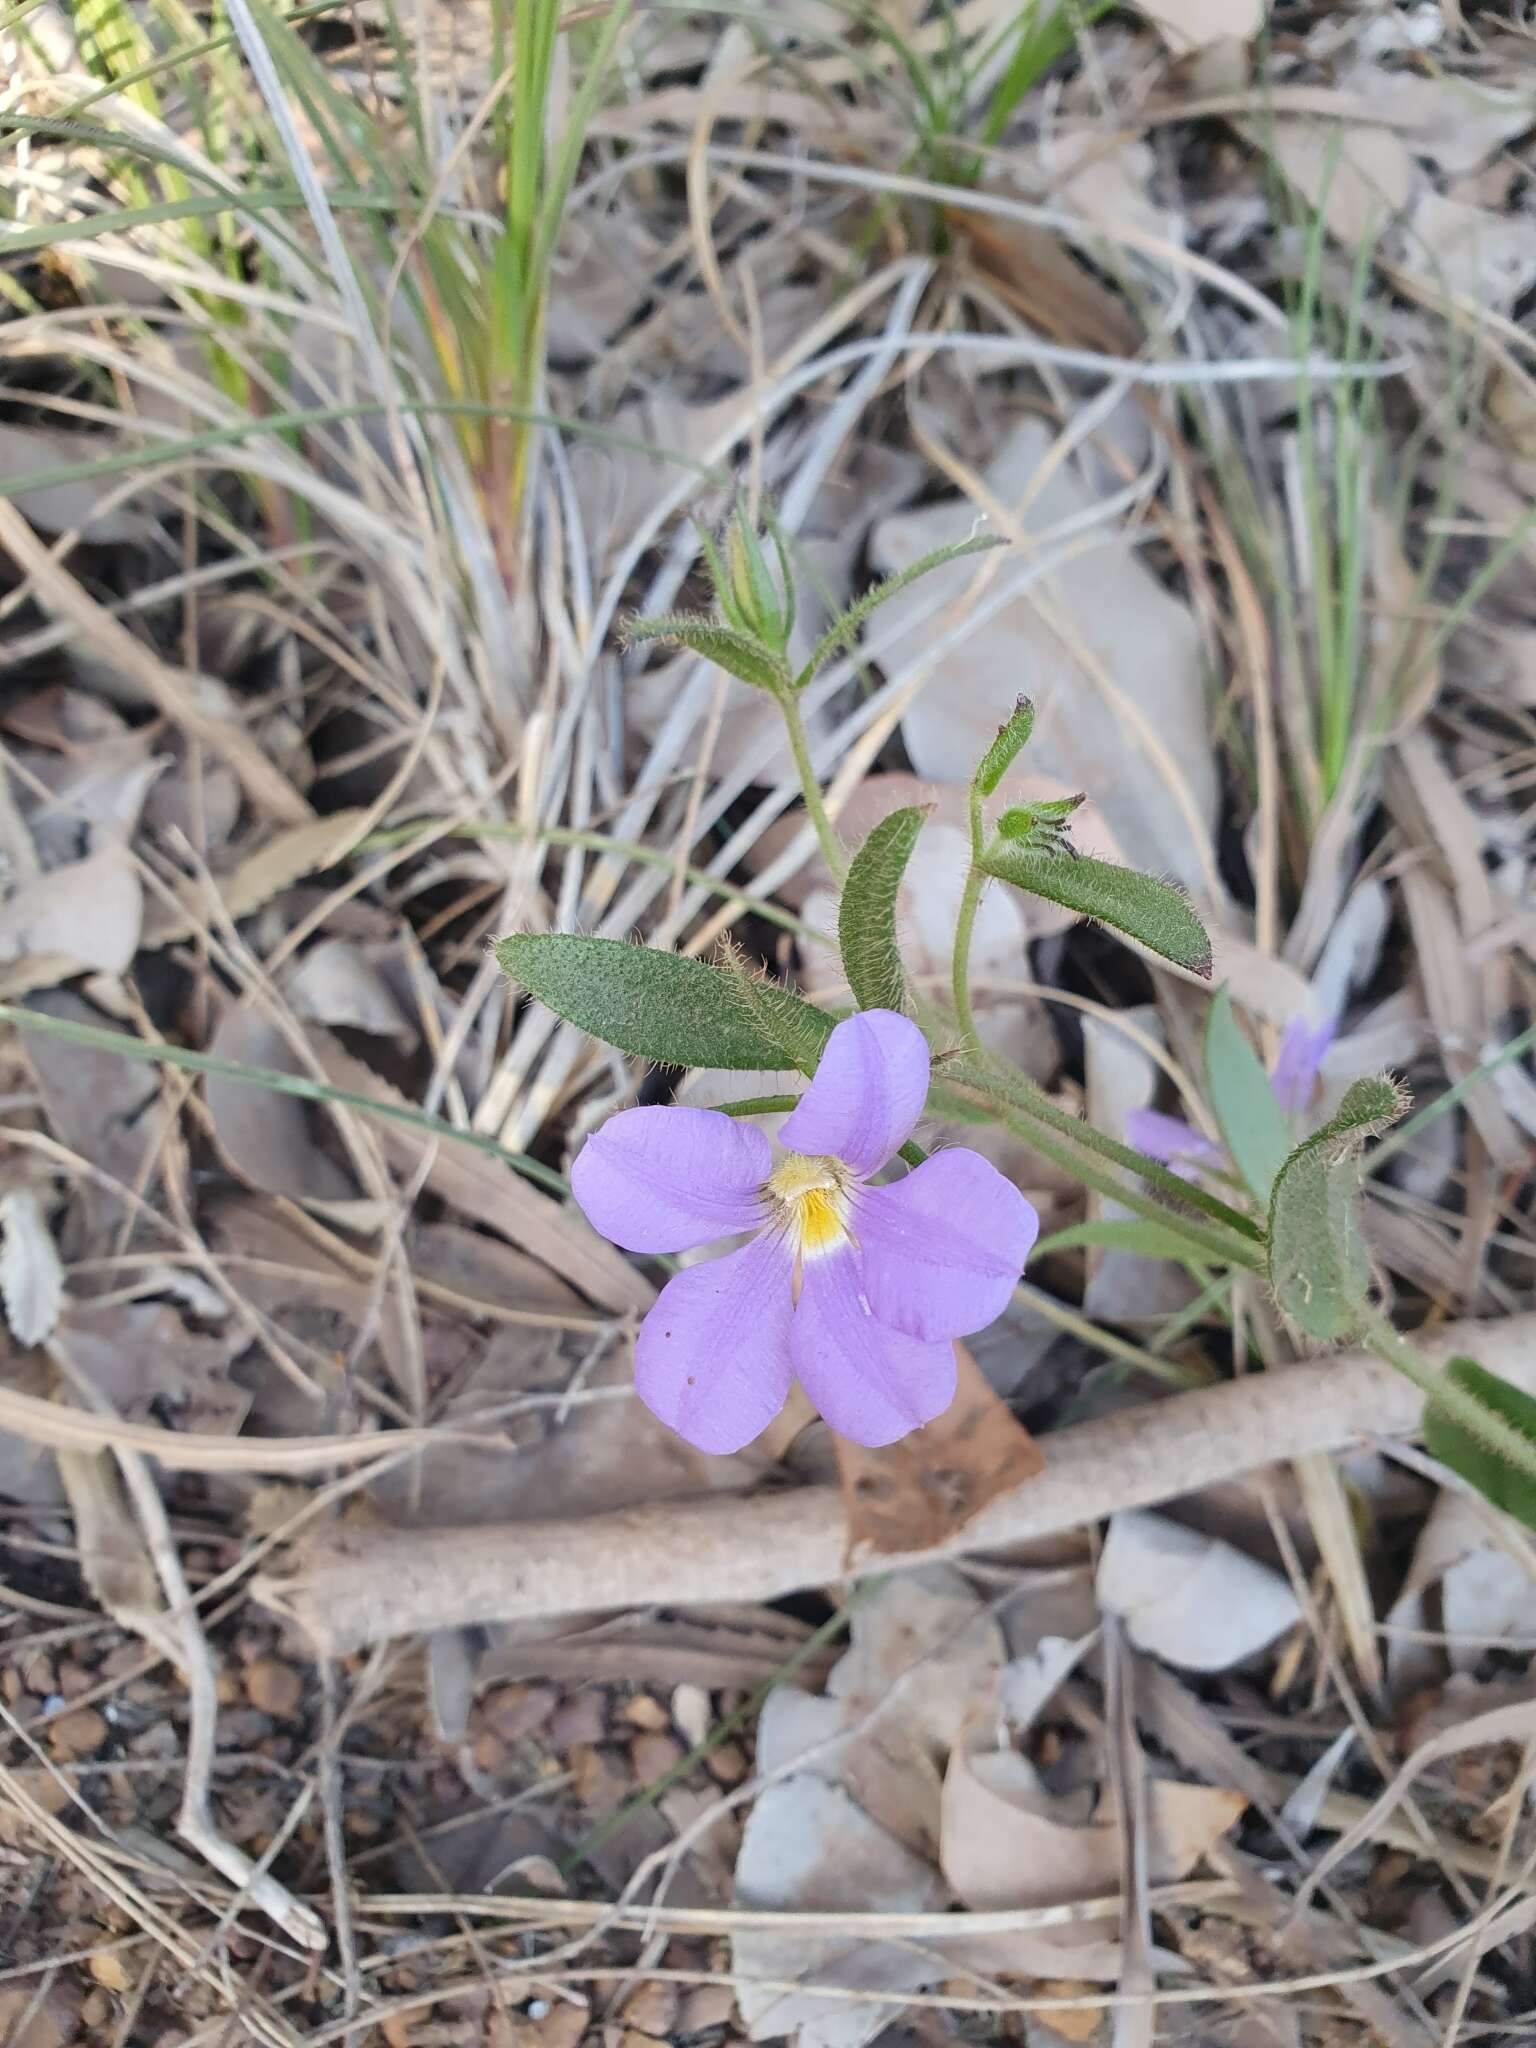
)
(866, 918)
(1251, 1120)
(738, 655)
(1319, 1263)
(1154, 913)
(679, 1013)
(1011, 740)
(1456, 1444)
(844, 628)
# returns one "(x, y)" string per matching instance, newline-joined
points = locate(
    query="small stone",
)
(80, 1732)
(707, 2005)
(40, 1674)
(560, 2026)
(1081, 2025)
(654, 1755)
(651, 2009)
(107, 1969)
(74, 1679)
(513, 1712)
(644, 1712)
(490, 1753)
(581, 1718)
(599, 1779)
(95, 2009)
(11, 1685)
(692, 1715)
(631, 2037)
(227, 1687)
(727, 1764)
(274, 1687)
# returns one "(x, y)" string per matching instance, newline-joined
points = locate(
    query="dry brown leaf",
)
(1190, 24)
(67, 507)
(108, 1969)
(1111, 658)
(1006, 1842)
(113, 1558)
(31, 1276)
(1361, 177)
(284, 859)
(808, 1847)
(1037, 273)
(109, 1110)
(1190, 1599)
(82, 918)
(923, 1490)
(483, 1189)
(1487, 257)
(266, 1138)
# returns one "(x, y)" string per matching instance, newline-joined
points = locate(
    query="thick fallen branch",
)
(356, 1585)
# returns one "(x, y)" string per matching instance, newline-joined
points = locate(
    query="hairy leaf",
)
(1011, 740)
(735, 652)
(1456, 1444)
(866, 917)
(1152, 912)
(844, 629)
(679, 1013)
(1319, 1264)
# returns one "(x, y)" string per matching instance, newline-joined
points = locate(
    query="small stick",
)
(176, 1633)
(349, 1587)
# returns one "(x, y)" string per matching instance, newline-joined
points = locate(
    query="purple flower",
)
(1294, 1074)
(1291, 1079)
(857, 1291)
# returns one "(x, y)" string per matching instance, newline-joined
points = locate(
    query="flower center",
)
(810, 1196)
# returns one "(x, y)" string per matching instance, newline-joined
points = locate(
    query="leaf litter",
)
(239, 685)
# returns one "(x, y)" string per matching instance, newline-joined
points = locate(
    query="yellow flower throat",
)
(810, 1197)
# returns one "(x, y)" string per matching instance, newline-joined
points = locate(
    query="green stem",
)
(965, 924)
(1464, 1409)
(991, 1085)
(1225, 1250)
(810, 788)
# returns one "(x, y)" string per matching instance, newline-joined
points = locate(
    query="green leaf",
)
(679, 1013)
(1148, 1240)
(735, 652)
(866, 918)
(844, 629)
(797, 1029)
(1319, 1263)
(1456, 1443)
(1155, 913)
(1011, 740)
(1250, 1119)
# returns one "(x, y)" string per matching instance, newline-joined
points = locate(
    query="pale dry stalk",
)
(352, 1586)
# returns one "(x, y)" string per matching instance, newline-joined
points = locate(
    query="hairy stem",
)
(810, 788)
(965, 925)
(1209, 1243)
(1490, 1429)
(994, 1085)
